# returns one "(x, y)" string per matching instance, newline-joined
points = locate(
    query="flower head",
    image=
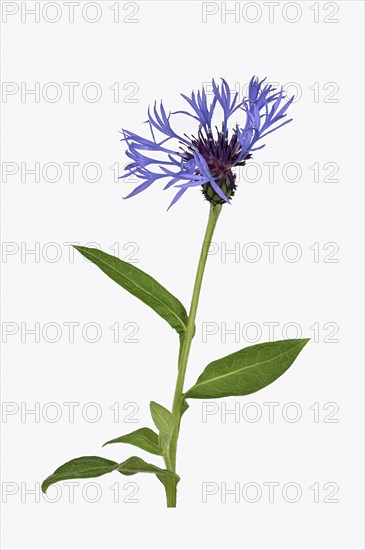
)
(206, 160)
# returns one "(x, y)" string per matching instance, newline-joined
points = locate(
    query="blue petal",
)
(178, 195)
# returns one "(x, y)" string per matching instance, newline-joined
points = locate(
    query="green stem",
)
(185, 350)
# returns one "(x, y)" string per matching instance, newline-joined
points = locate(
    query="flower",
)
(206, 160)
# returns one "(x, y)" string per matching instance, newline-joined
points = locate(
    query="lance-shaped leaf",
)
(144, 438)
(164, 422)
(247, 370)
(95, 466)
(141, 285)
(78, 468)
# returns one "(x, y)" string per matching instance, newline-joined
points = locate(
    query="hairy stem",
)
(185, 345)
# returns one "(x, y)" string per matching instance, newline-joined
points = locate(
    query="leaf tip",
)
(305, 341)
(45, 486)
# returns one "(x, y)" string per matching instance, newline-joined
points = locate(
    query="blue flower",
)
(207, 160)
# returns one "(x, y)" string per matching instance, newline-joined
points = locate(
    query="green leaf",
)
(247, 370)
(144, 438)
(184, 406)
(140, 285)
(78, 468)
(135, 465)
(95, 466)
(164, 422)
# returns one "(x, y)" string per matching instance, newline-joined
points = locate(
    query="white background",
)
(168, 50)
